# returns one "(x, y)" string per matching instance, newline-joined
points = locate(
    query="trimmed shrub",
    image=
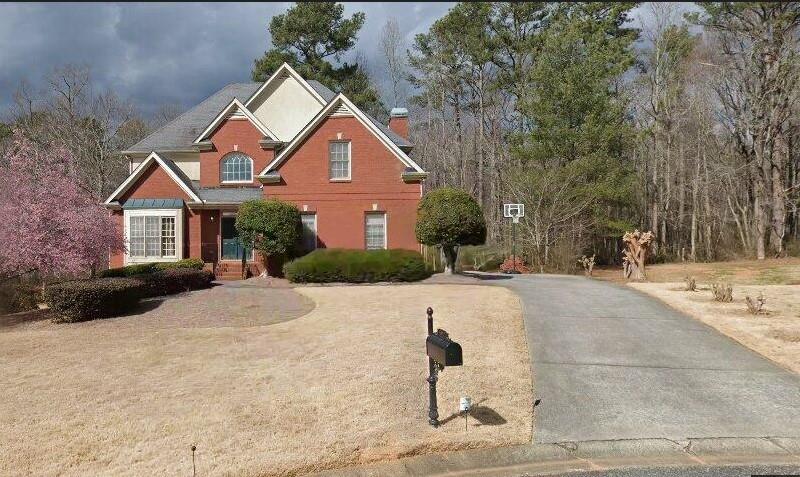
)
(83, 300)
(143, 268)
(193, 263)
(357, 266)
(129, 270)
(174, 280)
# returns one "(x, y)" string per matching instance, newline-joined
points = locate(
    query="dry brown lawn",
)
(783, 271)
(341, 385)
(775, 334)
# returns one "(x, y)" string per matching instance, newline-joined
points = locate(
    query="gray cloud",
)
(154, 54)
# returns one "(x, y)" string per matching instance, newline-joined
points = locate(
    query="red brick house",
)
(286, 138)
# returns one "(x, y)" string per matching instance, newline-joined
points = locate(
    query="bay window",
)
(153, 235)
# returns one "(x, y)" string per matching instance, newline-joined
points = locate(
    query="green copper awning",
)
(153, 204)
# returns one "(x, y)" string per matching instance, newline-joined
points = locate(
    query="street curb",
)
(565, 457)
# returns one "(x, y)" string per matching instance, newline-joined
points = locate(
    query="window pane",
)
(136, 237)
(375, 229)
(309, 231)
(152, 235)
(339, 158)
(236, 167)
(167, 236)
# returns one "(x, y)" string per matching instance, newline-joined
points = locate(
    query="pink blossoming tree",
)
(50, 224)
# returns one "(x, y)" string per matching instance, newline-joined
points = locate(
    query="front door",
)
(232, 248)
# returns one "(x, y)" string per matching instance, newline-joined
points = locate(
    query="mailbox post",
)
(433, 372)
(442, 352)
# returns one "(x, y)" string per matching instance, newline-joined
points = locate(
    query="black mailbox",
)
(443, 350)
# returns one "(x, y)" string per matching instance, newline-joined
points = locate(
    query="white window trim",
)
(349, 162)
(176, 213)
(385, 228)
(236, 182)
(316, 234)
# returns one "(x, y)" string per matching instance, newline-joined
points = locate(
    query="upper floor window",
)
(236, 167)
(339, 153)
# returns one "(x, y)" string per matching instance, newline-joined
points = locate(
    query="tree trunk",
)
(450, 255)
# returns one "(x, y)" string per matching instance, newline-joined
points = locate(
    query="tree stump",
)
(637, 244)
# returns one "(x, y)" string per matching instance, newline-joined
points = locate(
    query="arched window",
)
(236, 167)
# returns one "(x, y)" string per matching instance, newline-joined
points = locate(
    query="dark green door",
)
(232, 248)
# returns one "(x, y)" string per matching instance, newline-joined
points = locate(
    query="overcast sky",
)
(155, 54)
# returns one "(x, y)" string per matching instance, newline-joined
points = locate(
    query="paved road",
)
(611, 363)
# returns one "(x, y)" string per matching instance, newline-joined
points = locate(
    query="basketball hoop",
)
(513, 212)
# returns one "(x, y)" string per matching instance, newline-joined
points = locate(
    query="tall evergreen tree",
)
(308, 36)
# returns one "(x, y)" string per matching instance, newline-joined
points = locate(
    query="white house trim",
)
(176, 213)
(285, 68)
(358, 114)
(226, 112)
(137, 173)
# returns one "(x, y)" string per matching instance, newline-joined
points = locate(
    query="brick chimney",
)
(398, 121)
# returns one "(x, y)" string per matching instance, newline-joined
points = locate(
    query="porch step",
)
(232, 270)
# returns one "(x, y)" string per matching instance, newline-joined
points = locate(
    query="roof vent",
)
(341, 110)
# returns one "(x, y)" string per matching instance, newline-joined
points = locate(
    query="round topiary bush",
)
(449, 218)
(272, 226)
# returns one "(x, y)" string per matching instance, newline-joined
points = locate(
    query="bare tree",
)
(393, 49)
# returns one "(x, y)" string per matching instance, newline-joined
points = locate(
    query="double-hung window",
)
(339, 159)
(152, 236)
(375, 231)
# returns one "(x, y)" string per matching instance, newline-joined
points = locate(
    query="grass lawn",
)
(784, 271)
(343, 384)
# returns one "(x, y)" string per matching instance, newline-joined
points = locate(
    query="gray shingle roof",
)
(328, 95)
(181, 132)
(322, 90)
(227, 194)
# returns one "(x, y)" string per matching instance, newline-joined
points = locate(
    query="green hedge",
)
(357, 266)
(83, 300)
(142, 268)
(174, 280)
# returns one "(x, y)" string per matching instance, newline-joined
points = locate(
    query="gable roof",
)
(328, 95)
(235, 107)
(338, 101)
(282, 71)
(172, 170)
(180, 133)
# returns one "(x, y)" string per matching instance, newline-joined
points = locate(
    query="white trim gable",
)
(235, 108)
(140, 169)
(334, 108)
(285, 68)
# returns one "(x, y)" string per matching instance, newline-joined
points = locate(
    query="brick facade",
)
(233, 135)
(375, 186)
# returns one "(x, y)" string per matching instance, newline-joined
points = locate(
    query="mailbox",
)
(443, 350)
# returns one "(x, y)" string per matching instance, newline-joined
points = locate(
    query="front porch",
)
(220, 247)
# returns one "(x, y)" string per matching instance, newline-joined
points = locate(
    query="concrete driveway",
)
(610, 363)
